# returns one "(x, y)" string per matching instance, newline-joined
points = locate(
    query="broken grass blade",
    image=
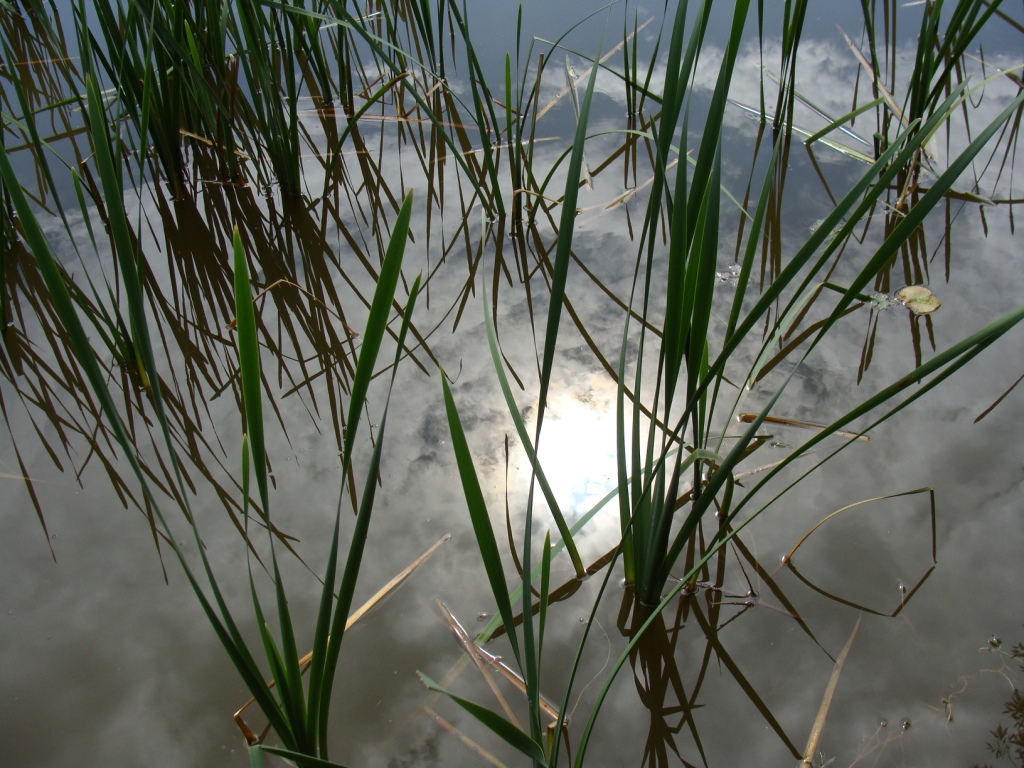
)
(482, 660)
(789, 555)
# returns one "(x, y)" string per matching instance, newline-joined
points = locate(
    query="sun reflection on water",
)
(577, 453)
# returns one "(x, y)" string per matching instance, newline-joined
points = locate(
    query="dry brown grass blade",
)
(998, 400)
(482, 660)
(208, 143)
(930, 153)
(586, 73)
(625, 197)
(826, 701)
(747, 418)
(466, 741)
(1007, 73)
(871, 73)
(390, 587)
(365, 608)
(351, 334)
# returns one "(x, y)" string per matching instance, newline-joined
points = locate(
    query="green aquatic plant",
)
(678, 459)
(142, 49)
(268, 56)
(299, 716)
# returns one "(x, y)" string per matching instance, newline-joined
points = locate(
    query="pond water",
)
(108, 658)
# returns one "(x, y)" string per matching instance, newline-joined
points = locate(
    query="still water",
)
(108, 659)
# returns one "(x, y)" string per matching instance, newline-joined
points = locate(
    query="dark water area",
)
(107, 657)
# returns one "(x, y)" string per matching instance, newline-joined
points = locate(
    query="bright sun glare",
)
(577, 453)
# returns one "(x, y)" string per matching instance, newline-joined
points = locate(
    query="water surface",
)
(109, 659)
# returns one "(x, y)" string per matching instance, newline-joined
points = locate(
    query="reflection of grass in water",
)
(666, 443)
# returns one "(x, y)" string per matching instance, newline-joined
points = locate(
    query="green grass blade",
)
(528, 446)
(321, 634)
(249, 368)
(495, 722)
(299, 758)
(566, 225)
(840, 121)
(289, 677)
(482, 530)
(376, 323)
(350, 576)
(322, 667)
(545, 588)
(753, 243)
(284, 662)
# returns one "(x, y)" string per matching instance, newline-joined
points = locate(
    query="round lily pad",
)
(918, 299)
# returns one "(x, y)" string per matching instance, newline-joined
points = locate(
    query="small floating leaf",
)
(918, 299)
